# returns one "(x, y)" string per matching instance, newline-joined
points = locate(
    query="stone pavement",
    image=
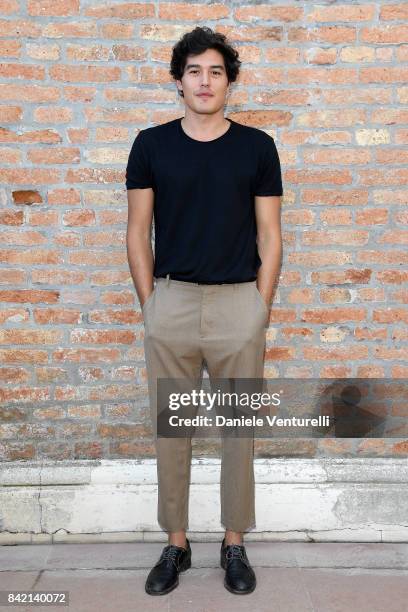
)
(292, 576)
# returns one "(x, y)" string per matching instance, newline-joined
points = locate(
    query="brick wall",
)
(78, 80)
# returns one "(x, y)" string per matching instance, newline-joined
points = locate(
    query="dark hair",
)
(197, 41)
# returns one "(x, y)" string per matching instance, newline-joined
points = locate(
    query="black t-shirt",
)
(204, 213)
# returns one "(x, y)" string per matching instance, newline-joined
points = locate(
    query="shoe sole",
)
(183, 568)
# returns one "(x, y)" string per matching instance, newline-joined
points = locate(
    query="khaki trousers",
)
(224, 325)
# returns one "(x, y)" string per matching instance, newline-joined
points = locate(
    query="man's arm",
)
(269, 241)
(138, 240)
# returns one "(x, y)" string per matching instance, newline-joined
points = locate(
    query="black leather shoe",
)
(163, 577)
(239, 576)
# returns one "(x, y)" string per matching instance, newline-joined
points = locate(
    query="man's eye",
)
(214, 72)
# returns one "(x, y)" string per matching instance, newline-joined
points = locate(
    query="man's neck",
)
(205, 127)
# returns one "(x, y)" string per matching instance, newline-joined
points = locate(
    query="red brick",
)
(184, 11)
(50, 8)
(337, 314)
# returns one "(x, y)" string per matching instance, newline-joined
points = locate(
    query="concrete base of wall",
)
(322, 500)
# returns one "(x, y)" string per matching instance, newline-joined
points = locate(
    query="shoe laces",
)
(170, 553)
(235, 551)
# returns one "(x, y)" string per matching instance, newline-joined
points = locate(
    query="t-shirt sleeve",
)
(269, 178)
(138, 170)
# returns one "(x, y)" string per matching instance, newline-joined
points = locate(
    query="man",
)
(213, 187)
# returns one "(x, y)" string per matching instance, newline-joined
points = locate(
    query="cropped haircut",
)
(197, 41)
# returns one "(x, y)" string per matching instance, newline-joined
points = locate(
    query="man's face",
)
(204, 73)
